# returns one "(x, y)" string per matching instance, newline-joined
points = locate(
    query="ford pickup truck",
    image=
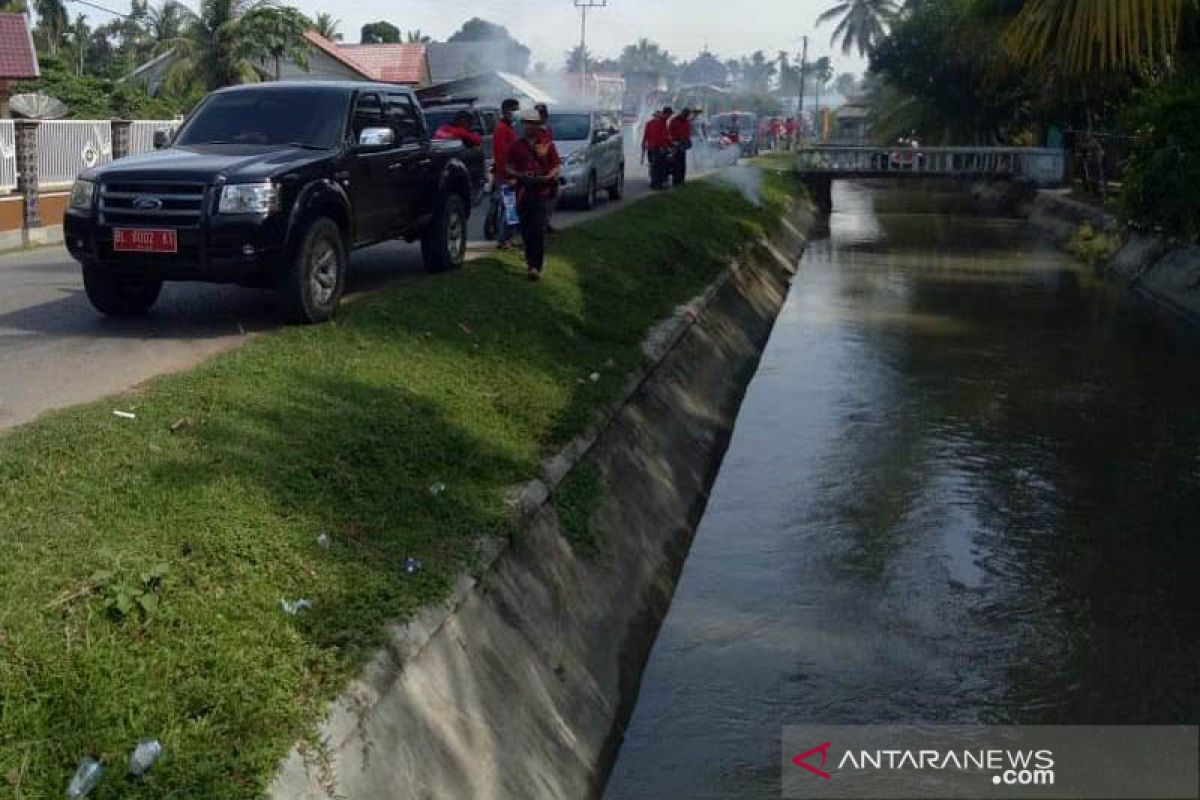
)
(273, 185)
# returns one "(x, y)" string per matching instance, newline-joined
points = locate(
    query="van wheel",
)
(120, 296)
(311, 289)
(589, 199)
(617, 190)
(444, 245)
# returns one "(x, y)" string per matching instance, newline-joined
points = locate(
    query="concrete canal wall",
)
(520, 685)
(1164, 272)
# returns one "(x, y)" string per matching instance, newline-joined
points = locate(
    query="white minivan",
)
(593, 153)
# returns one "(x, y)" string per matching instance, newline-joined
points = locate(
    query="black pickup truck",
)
(271, 185)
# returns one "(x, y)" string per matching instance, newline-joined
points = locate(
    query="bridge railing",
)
(1044, 166)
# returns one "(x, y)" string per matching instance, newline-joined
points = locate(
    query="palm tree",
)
(328, 27)
(863, 23)
(417, 37)
(822, 72)
(52, 24)
(164, 23)
(226, 43)
(1086, 35)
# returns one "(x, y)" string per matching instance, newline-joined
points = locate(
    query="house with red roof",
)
(405, 64)
(18, 59)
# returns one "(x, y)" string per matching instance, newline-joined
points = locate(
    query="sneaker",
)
(535, 275)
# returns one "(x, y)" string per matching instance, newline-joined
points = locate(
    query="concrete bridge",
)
(821, 165)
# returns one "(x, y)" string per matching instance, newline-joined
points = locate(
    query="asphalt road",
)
(56, 351)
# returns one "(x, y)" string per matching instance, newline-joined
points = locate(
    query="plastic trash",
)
(509, 197)
(438, 489)
(594, 377)
(124, 415)
(412, 566)
(294, 607)
(86, 778)
(143, 757)
(324, 541)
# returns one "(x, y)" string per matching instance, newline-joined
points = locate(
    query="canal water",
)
(964, 488)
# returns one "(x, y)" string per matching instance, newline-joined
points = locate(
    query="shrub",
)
(89, 97)
(1161, 188)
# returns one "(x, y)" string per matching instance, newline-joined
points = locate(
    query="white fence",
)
(8, 156)
(1040, 165)
(141, 135)
(68, 147)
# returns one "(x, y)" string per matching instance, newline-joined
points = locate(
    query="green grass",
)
(143, 567)
(575, 500)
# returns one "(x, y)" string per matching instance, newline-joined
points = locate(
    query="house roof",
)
(333, 51)
(391, 63)
(18, 59)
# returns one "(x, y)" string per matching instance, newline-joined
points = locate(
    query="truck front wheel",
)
(118, 295)
(312, 287)
(444, 245)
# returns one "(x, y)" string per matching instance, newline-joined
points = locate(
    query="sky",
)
(551, 27)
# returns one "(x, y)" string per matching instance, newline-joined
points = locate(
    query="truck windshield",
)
(304, 117)
(571, 127)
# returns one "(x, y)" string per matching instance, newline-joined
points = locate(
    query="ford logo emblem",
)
(147, 203)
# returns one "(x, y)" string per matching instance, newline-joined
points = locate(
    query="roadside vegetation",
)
(146, 559)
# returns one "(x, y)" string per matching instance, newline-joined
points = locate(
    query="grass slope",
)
(143, 567)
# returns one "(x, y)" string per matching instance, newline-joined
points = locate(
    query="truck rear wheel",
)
(311, 289)
(118, 295)
(444, 245)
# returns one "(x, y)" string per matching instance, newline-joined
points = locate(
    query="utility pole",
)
(584, 7)
(800, 105)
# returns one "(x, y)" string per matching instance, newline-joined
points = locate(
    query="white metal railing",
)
(68, 147)
(141, 133)
(8, 156)
(1041, 165)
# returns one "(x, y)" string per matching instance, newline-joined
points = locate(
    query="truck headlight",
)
(83, 195)
(248, 198)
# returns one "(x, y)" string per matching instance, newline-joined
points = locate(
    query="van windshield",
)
(571, 127)
(304, 117)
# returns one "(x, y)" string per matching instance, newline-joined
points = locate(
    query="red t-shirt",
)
(679, 129)
(655, 136)
(449, 131)
(502, 141)
(539, 159)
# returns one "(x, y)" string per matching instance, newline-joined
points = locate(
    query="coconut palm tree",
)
(228, 41)
(164, 23)
(863, 23)
(52, 25)
(328, 27)
(1097, 35)
(822, 72)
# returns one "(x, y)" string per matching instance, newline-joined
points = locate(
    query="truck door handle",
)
(399, 165)
(425, 162)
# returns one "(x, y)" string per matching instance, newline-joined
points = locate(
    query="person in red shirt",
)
(679, 131)
(654, 148)
(459, 129)
(503, 139)
(546, 136)
(534, 163)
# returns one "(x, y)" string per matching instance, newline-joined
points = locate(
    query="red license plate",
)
(144, 240)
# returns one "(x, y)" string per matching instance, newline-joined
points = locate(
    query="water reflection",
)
(963, 488)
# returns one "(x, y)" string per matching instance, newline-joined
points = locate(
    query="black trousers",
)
(679, 158)
(658, 167)
(534, 213)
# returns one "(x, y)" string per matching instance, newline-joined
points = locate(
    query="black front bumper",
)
(219, 250)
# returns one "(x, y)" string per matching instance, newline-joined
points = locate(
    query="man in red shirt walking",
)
(654, 148)
(534, 163)
(503, 139)
(679, 131)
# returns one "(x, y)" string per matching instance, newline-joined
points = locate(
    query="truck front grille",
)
(170, 204)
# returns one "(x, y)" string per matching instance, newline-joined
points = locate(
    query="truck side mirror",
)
(376, 138)
(162, 138)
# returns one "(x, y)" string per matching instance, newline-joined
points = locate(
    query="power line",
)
(99, 7)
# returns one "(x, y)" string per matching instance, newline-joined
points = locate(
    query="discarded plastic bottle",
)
(412, 566)
(87, 778)
(293, 608)
(143, 756)
(509, 197)
(324, 541)
(438, 489)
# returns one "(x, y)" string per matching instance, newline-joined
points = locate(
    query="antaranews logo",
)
(802, 760)
(1007, 767)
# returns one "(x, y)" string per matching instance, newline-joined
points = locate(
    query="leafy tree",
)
(380, 33)
(14, 7)
(164, 23)
(846, 84)
(1098, 35)
(575, 59)
(52, 24)
(480, 30)
(327, 26)
(757, 72)
(89, 97)
(646, 56)
(863, 23)
(417, 37)
(705, 68)
(226, 43)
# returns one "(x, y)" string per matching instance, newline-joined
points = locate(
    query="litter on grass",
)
(594, 377)
(294, 607)
(86, 778)
(124, 415)
(412, 566)
(438, 489)
(143, 757)
(324, 541)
